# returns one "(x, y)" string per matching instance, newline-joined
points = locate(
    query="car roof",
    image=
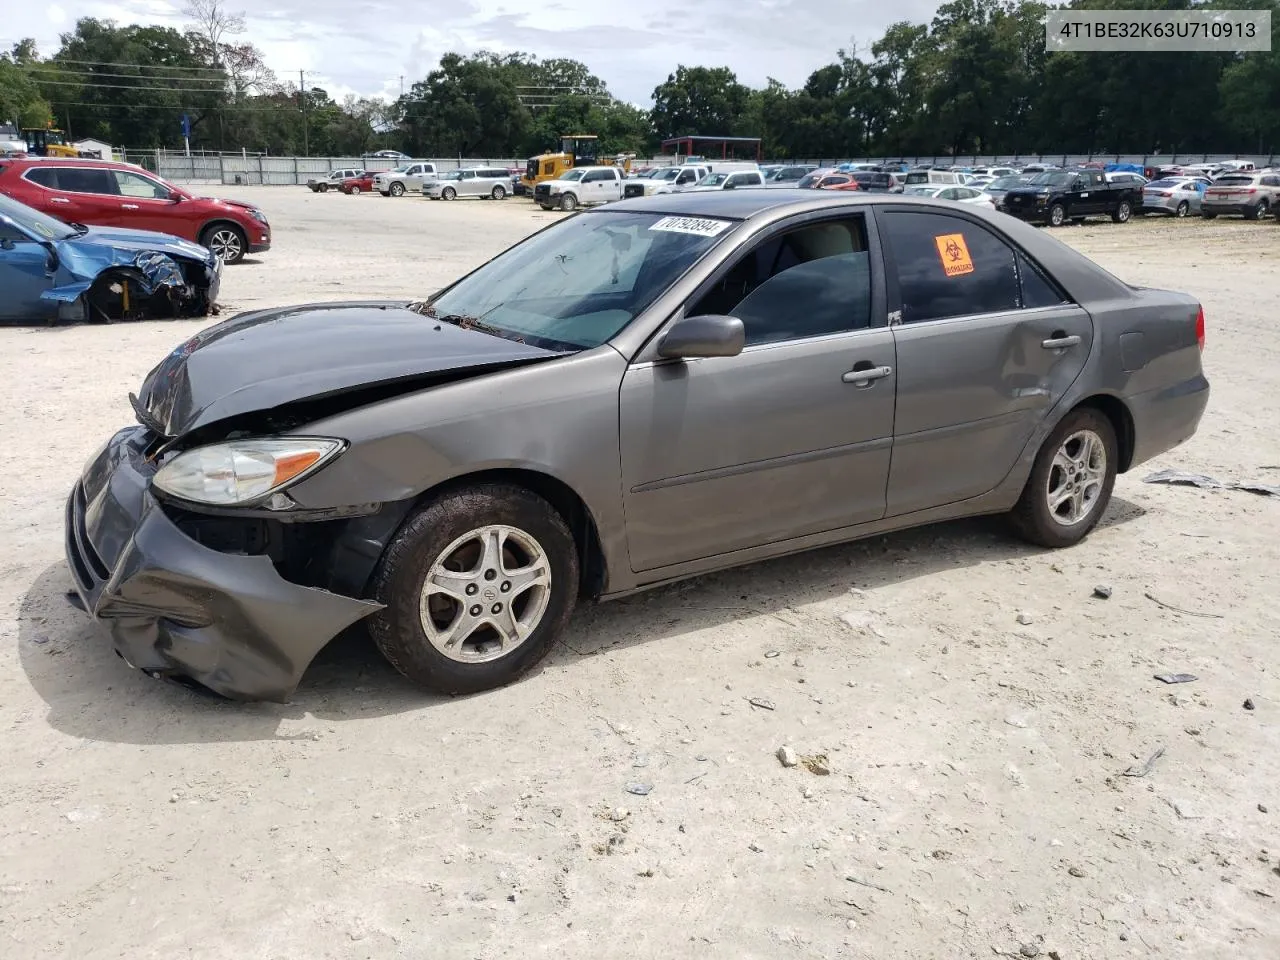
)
(72, 162)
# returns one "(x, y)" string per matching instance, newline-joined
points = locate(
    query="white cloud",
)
(365, 47)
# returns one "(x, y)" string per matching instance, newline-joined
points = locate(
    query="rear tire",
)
(1123, 212)
(439, 552)
(1183, 209)
(1070, 485)
(499, 193)
(1258, 212)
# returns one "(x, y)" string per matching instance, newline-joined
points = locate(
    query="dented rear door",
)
(987, 346)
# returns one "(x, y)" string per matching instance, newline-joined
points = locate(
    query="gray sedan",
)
(646, 392)
(1179, 196)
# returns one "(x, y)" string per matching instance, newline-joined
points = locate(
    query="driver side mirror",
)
(1077, 185)
(6, 244)
(175, 196)
(705, 336)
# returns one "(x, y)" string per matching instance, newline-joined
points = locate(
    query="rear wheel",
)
(448, 193)
(397, 189)
(1122, 212)
(499, 192)
(1257, 212)
(1057, 215)
(226, 240)
(1070, 483)
(477, 586)
(1183, 209)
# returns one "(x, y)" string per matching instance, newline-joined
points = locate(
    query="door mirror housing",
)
(1077, 185)
(705, 336)
(176, 197)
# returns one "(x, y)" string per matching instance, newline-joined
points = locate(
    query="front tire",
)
(226, 240)
(1070, 483)
(1057, 215)
(448, 193)
(477, 586)
(568, 202)
(397, 189)
(1123, 212)
(323, 188)
(354, 190)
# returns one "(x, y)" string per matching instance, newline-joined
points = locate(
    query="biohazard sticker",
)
(954, 254)
(698, 226)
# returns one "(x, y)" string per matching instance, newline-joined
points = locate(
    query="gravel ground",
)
(976, 802)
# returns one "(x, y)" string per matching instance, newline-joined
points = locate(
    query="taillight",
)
(1166, 194)
(1200, 329)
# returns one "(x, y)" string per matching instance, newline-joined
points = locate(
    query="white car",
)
(683, 176)
(581, 186)
(725, 181)
(404, 178)
(959, 194)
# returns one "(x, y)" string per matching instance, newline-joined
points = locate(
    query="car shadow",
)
(92, 694)
(247, 262)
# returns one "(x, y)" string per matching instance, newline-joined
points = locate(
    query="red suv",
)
(101, 193)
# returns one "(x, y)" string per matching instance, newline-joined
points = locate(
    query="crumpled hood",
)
(263, 359)
(139, 241)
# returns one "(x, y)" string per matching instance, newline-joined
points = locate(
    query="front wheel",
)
(1070, 483)
(323, 188)
(226, 241)
(354, 189)
(477, 586)
(1057, 215)
(397, 189)
(448, 193)
(1123, 212)
(568, 202)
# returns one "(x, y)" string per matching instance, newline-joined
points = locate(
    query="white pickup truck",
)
(581, 186)
(682, 176)
(404, 178)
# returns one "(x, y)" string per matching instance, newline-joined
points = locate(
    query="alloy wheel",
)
(226, 244)
(1076, 477)
(485, 594)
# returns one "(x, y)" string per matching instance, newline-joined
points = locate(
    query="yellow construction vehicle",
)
(48, 142)
(579, 150)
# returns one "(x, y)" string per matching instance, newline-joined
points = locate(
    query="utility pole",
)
(302, 95)
(402, 86)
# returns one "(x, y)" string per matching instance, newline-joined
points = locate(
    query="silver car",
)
(647, 391)
(489, 183)
(1179, 196)
(405, 178)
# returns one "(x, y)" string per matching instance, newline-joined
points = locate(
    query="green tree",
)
(699, 100)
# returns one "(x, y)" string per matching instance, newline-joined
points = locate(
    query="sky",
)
(364, 47)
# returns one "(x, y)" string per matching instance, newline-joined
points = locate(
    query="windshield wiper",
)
(463, 321)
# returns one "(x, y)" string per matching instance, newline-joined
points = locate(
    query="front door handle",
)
(59, 200)
(864, 377)
(128, 206)
(1060, 341)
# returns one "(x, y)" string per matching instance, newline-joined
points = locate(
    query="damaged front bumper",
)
(175, 607)
(118, 284)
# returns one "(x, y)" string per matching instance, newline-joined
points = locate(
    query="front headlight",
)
(257, 214)
(240, 472)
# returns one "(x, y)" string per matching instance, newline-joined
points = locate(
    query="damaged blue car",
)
(52, 272)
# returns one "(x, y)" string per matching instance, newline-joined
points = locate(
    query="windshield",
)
(668, 174)
(401, 169)
(571, 175)
(1004, 183)
(33, 221)
(1058, 179)
(713, 179)
(922, 191)
(809, 179)
(575, 285)
(452, 175)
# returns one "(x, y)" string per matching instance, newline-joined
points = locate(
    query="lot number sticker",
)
(954, 254)
(694, 225)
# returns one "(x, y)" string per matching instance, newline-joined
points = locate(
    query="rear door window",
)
(86, 180)
(44, 176)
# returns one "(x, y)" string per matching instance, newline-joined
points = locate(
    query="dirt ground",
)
(976, 803)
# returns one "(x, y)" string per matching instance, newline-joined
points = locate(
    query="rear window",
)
(1234, 181)
(921, 176)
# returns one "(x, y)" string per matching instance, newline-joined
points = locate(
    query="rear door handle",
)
(59, 200)
(864, 377)
(128, 206)
(1060, 343)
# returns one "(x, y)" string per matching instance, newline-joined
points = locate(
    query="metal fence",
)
(246, 168)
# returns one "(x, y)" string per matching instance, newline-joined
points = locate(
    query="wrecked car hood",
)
(134, 241)
(264, 359)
